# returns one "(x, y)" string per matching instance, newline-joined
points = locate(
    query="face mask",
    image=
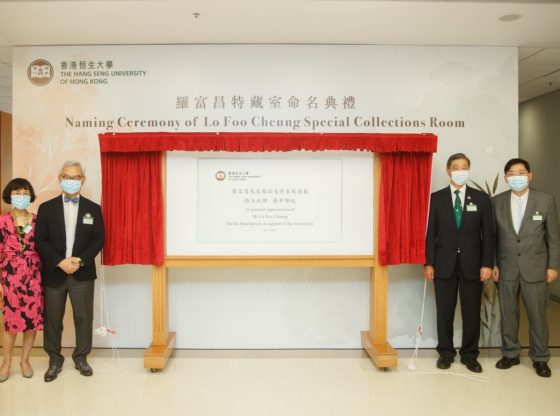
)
(518, 183)
(21, 201)
(460, 177)
(70, 186)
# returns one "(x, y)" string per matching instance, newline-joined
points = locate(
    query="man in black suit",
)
(69, 234)
(459, 257)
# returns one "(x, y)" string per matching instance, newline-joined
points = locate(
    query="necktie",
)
(73, 200)
(458, 208)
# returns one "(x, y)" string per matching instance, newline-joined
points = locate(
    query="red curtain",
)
(267, 142)
(132, 187)
(403, 206)
(132, 202)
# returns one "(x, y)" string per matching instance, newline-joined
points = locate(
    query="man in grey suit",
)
(528, 256)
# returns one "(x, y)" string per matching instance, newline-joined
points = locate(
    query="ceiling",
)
(536, 31)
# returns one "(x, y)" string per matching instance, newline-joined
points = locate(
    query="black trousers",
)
(470, 292)
(81, 299)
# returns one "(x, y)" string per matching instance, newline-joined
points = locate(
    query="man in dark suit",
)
(69, 234)
(528, 257)
(459, 257)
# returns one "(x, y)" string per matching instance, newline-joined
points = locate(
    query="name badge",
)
(472, 207)
(88, 219)
(537, 216)
(27, 228)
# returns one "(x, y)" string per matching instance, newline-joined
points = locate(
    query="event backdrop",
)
(65, 96)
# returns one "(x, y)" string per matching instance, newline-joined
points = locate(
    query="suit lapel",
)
(468, 198)
(448, 206)
(528, 210)
(60, 215)
(81, 212)
(507, 214)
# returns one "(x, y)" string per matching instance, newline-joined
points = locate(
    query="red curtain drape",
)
(267, 142)
(403, 206)
(132, 203)
(132, 189)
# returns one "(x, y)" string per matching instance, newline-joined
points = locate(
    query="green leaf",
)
(478, 186)
(495, 183)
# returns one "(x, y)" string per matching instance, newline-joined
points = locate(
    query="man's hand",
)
(496, 274)
(69, 265)
(551, 275)
(485, 273)
(429, 273)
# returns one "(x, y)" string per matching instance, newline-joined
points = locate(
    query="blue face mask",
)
(21, 201)
(460, 177)
(70, 186)
(518, 183)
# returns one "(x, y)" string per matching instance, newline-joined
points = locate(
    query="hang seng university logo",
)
(40, 72)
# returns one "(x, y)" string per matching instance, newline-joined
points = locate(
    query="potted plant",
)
(490, 335)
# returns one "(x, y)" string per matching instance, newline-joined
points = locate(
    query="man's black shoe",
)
(542, 369)
(472, 364)
(444, 363)
(84, 368)
(52, 372)
(507, 362)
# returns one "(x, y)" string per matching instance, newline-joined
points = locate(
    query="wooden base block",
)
(382, 355)
(156, 356)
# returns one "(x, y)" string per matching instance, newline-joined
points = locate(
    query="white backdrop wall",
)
(465, 95)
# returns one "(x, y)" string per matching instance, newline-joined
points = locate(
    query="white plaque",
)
(291, 203)
(244, 201)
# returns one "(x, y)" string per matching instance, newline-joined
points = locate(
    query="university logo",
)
(40, 72)
(220, 175)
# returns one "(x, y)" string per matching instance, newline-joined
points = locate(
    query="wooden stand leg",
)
(374, 341)
(163, 341)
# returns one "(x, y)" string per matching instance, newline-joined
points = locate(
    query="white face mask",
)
(21, 201)
(460, 177)
(70, 186)
(518, 183)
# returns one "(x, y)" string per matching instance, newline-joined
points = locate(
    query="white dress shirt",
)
(70, 220)
(462, 193)
(518, 206)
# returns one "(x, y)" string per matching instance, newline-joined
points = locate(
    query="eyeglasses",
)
(71, 178)
(517, 173)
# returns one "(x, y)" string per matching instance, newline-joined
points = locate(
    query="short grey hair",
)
(72, 163)
(457, 156)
